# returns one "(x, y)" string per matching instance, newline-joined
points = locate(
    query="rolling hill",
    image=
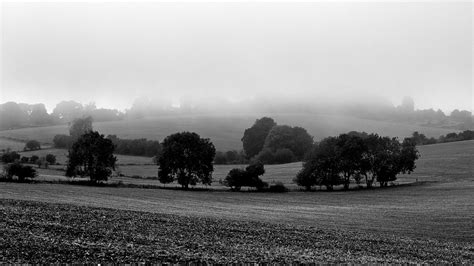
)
(226, 131)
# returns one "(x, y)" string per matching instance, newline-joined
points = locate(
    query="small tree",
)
(19, 170)
(50, 158)
(80, 126)
(187, 158)
(32, 145)
(91, 155)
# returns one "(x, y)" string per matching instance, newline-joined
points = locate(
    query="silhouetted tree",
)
(250, 177)
(254, 137)
(187, 158)
(10, 156)
(91, 155)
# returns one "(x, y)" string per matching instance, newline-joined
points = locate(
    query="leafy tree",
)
(67, 111)
(50, 158)
(187, 158)
(91, 155)
(351, 149)
(80, 126)
(254, 137)
(296, 139)
(19, 170)
(265, 156)
(32, 145)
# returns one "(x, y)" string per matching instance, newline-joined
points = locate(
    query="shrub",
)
(24, 159)
(50, 158)
(19, 170)
(249, 177)
(10, 157)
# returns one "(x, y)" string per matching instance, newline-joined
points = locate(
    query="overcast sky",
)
(113, 53)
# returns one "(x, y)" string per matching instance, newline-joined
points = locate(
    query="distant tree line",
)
(357, 157)
(18, 115)
(135, 147)
(421, 139)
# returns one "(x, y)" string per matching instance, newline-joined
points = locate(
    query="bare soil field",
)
(36, 232)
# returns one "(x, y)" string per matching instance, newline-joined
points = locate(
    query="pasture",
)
(226, 131)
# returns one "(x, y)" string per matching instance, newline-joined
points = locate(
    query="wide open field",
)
(426, 222)
(226, 131)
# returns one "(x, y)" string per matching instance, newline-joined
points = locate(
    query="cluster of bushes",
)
(421, 139)
(19, 170)
(230, 157)
(248, 177)
(270, 143)
(357, 156)
(136, 147)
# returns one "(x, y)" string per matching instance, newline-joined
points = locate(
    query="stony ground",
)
(36, 232)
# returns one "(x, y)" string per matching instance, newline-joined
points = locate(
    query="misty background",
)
(238, 56)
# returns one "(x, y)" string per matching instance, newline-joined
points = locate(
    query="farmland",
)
(428, 221)
(226, 131)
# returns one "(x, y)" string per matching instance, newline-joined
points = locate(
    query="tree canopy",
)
(91, 155)
(337, 160)
(254, 137)
(187, 158)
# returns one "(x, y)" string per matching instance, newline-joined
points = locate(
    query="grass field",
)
(226, 131)
(427, 222)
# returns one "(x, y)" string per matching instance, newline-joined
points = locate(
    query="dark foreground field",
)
(43, 232)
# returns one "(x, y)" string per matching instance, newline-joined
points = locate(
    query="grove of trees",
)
(186, 158)
(338, 160)
(32, 145)
(270, 143)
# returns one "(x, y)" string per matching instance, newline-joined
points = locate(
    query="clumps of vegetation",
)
(270, 143)
(91, 155)
(186, 158)
(356, 156)
(22, 172)
(421, 139)
(32, 145)
(248, 177)
(10, 156)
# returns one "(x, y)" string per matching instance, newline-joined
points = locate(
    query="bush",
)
(278, 187)
(10, 157)
(249, 177)
(50, 158)
(19, 170)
